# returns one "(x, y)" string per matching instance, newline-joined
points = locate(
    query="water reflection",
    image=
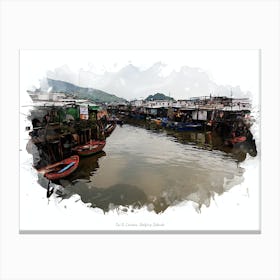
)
(209, 140)
(111, 197)
(154, 169)
(87, 167)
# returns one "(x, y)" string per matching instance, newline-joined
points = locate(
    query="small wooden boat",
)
(91, 148)
(109, 129)
(235, 140)
(186, 126)
(189, 127)
(60, 169)
(238, 139)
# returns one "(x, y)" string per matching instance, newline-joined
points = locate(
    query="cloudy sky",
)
(138, 73)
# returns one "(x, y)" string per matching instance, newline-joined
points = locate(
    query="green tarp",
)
(74, 112)
(94, 107)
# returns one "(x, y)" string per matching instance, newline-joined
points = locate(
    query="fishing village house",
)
(137, 103)
(46, 96)
(157, 107)
(118, 107)
(200, 109)
(59, 123)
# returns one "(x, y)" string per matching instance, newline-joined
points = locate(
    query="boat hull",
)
(184, 126)
(61, 169)
(235, 140)
(110, 129)
(90, 149)
(188, 128)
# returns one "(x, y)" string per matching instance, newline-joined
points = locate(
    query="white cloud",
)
(135, 73)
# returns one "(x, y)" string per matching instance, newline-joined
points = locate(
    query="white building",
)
(47, 96)
(137, 103)
(159, 104)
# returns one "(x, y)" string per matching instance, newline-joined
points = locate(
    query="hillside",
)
(92, 94)
(158, 96)
(134, 82)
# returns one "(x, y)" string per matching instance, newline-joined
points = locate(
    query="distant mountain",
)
(69, 89)
(158, 96)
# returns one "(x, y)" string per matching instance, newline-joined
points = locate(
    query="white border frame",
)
(229, 24)
(232, 212)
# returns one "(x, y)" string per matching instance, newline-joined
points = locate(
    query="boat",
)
(157, 121)
(235, 140)
(116, 120)
(109, 129)
(188, 127)
(91, 148)
(238, 139)
(180, 126)
(60, 169)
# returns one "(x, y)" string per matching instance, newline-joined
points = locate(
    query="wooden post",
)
(60, 149)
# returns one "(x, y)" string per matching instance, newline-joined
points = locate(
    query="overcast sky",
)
(224, 67)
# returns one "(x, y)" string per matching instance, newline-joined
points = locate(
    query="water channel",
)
(141, 167)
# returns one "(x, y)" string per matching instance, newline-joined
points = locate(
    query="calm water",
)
(140, 167)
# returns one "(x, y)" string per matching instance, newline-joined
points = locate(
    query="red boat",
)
(235, 140)
(238, 139)
(91, 148)
(60, 169)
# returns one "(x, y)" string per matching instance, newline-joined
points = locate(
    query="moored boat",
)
(109, 129)
(235, 140)
(60, 169)
(91, 148)
(181, 126)
(188, 127)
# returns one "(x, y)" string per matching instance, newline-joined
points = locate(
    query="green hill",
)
(158, 96)
(92, 94)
